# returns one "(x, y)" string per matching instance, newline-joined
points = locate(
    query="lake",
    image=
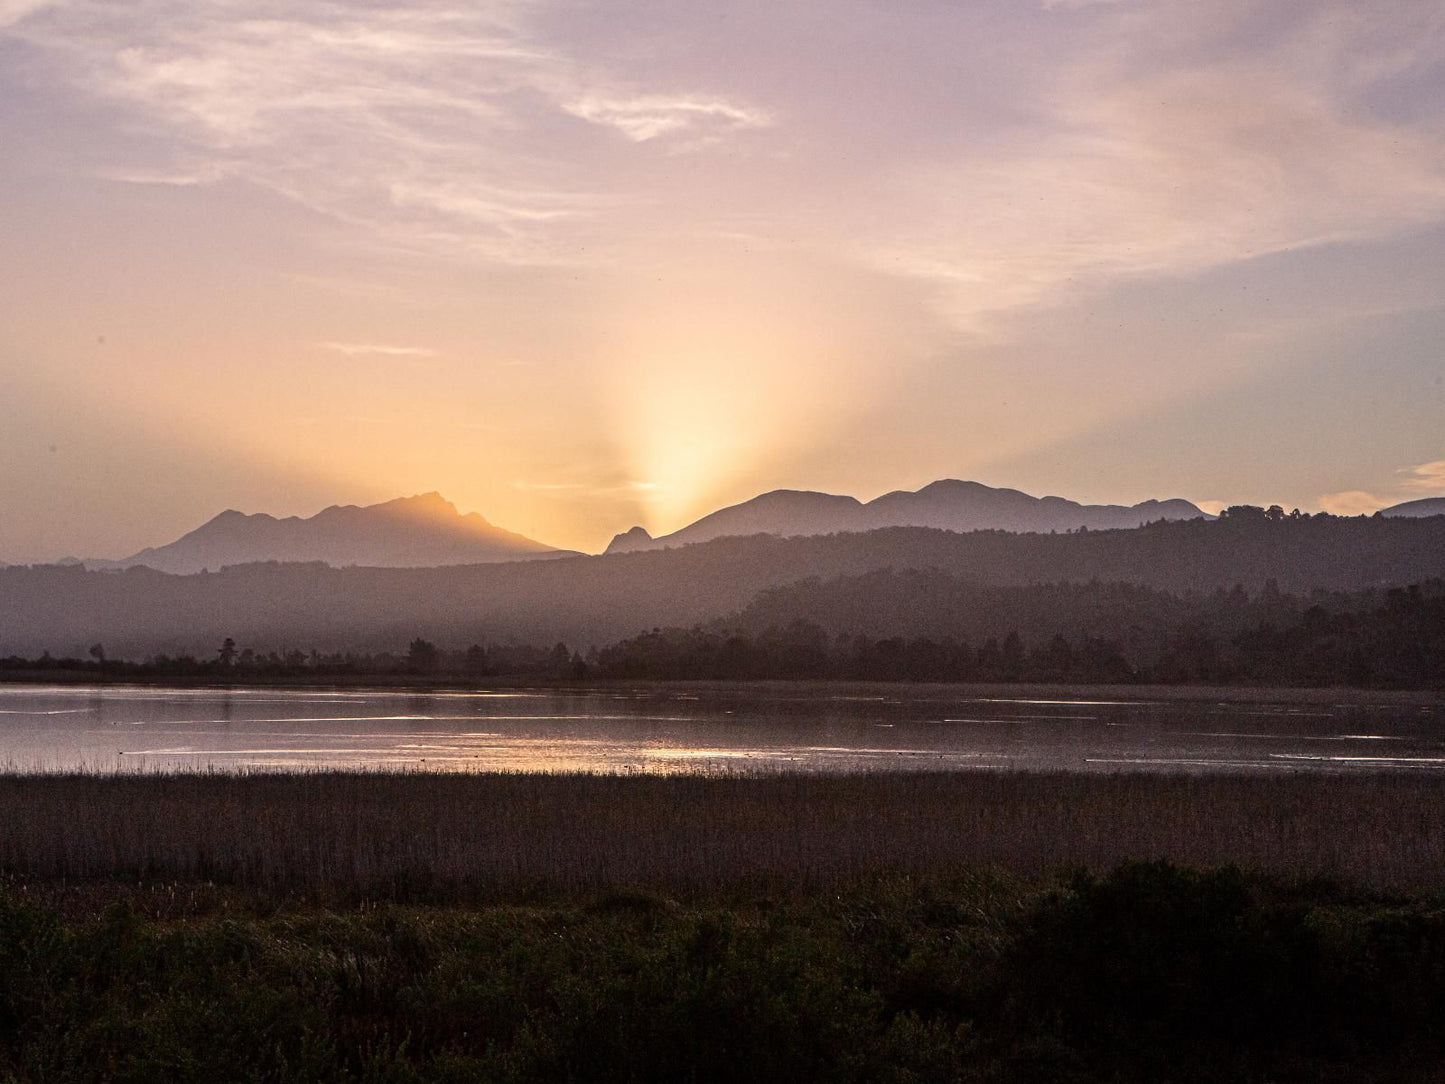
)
(741, 728)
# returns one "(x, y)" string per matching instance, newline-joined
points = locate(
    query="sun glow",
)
(698, 421)
(721, 376)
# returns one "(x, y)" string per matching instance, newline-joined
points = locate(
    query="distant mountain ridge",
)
(409, 532)
(948, 504)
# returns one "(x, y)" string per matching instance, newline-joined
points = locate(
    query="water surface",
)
(743, 728)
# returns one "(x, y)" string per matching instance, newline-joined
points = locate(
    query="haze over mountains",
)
(410, 532)
(598, 600)
(427, 530)
(948, 504)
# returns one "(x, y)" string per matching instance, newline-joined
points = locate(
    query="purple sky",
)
(584, 265)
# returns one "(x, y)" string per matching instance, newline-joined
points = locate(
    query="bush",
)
(1188, 974)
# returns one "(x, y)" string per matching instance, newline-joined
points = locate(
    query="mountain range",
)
(410, 532)
(427, 531)
(948, 504)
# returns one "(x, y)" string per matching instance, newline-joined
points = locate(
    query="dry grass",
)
(489, 836)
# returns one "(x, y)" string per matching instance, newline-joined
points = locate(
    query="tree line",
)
(1229, 638)
(925, 626)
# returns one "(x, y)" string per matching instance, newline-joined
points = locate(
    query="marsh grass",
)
(526, 928)
(348, 836)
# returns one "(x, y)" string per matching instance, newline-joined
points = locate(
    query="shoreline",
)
(1004, 690)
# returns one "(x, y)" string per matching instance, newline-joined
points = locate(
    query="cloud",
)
(1135, 145)
(1426, 478)
(419, 127)
(476, 202)
(1353, 502)
(1140, 140)
(175, 178)
(1162, 153)
(353, 350)
(648, 117)
(12, 11)
(1423, 479)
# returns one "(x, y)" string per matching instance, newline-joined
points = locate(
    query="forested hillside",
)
(592, 601)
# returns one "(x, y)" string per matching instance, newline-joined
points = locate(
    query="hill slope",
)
(1428, 506)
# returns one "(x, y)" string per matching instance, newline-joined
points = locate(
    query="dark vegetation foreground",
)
(877, 928)
(1147, 973)
(341, 836)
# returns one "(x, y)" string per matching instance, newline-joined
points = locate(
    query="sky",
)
(580, 266)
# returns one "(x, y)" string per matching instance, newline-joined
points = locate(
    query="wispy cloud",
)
(12, 11)
(1144, 148)
(1426, 478)
(175, 178)
(1164, 153)
(353, 350)
(414, 124)
(650, 116)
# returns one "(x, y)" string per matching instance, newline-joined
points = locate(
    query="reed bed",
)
(396, 836)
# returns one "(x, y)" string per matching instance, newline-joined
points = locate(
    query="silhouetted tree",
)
(422, 657)
(1012, 656)
(475, 659)
(560, 661)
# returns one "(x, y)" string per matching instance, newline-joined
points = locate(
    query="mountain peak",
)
(424, 530)
(431, 499)
(635, 539)
(230, 515)
(954, 484)
(431, 504)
